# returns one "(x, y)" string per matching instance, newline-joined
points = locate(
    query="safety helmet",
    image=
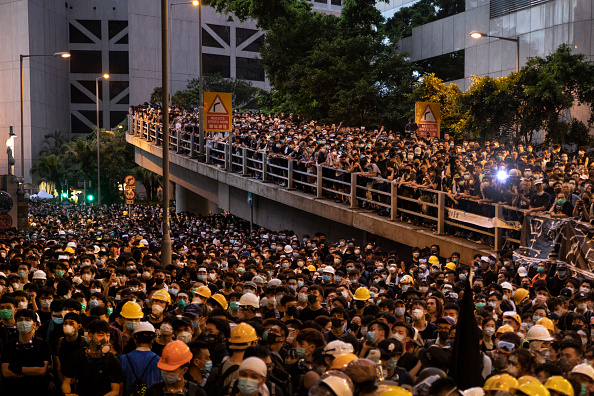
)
(451, 266)
(477, 391)
(362, 294)
(584, 369)
(533, 388)
(204, 291)
(559, 385)
(249, 299)
(520, 295)
(162, 295)
(221, 300)
(144, 327)
(342, 360)
(505, 329)
(503, 382)
(433, 260)
(428, 372)
(175, 354)
(538, 333)
(395, 391)
(337, 348)
(311, 268)
(338, 385)
(547, 323)
(406, 279)
(132, 310)
(242, 336)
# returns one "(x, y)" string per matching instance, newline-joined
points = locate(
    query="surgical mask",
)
(208, 366)
(392, 363)
(423, 289)
(45, 303)
(212, 277)
(22, 274)
(202, 277)
(302, 297)
(68, 330)
(132, 325)
(86, 277)
(489, 331)
(371, 337)
(93, 303)
(493, 304)
(272, 301)
(300, 283)
(157, 310)
(169, 378)
(6, 314)
(23, 304)
(233, 306)
(398, 337)
(582, 306)
(166, 329)
(24, 327)
(58, 321)
(479, 305)
(247, 386)
(400, 311)
(326, 278)
(185, 337)
(463, 276)
(59, 273)
(417, 314)
(95, 291)
(300, 352)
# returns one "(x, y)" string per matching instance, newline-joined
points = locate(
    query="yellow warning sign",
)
(218, 115)
(428, 119)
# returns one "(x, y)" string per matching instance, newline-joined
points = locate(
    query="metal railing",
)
(419, 206)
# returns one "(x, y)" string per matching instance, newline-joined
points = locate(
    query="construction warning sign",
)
(428, 119)
(218, 106)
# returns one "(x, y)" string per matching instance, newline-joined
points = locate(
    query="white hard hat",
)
(538, 333)
(340, 386)
(474, 392)
(329, 270)
(249, 299)
(507, 285)
(338, 347)
(39, 275)
(584, 369)
(144, 326)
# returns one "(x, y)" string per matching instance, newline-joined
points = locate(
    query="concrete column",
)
(188, 201)
(214, 208)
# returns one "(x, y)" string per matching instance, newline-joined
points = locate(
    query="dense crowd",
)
(88, 308)
(538, 180)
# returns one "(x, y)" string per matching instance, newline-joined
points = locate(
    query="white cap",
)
(507, 286)
(485, 258)
(144, 326)
(39, 275)
(338, 347)
(71, 244)
(584, 369)
(522, 272)
(288, 249)
(274, 282)
(329, 270)
(144, 242)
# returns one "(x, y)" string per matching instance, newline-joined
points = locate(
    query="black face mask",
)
(439, 281)
(443, 335)
(354, 327)
(159, 281)
(311, 299)
(360, 304)
(336, 323)
(292, 311)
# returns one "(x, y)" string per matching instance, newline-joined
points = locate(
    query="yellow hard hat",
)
(547, 324)
(407, 279)
(503, 382)
(131, 310)
(362, 294)
(504, 329)
(342, 360)
(221, 300)
(451, 266)
(175, 354)
(433, 260)
(69, 250)
(559, 385)
(532, 388)
(311, 268)
(520, 295)
(204, 291)
(395, 391)
(162, 295)
(243, 333)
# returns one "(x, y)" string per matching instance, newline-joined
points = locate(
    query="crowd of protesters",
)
(537, 180)
(87, 307)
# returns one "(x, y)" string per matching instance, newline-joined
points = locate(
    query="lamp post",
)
(64, 55)
(516, 40)
(166, 238)
(105, 77)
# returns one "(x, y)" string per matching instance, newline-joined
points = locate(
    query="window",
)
(249, 69)
(116, 88)
(241, 35)
(448, 67)
(77, 96)
(77, 126)
(93, 26)
(499, 8)
(224, 32)
(82, 61)
(116, 117)
(76, 36)
(118, 62)
(209, 41)
(256, 45)
(217, 64)
(116, 27)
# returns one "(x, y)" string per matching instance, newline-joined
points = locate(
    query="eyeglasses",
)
(247, 308)
(506, 346)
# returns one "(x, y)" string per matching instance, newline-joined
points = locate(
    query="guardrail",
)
(420, 206)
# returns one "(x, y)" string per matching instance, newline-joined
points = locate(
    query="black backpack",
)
(139, 387)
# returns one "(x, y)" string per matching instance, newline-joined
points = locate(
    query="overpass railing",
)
(492, 224)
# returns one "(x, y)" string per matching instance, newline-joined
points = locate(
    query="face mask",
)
(22, 274)
(300, 352)
(45, 303)
(302, 297)
(58, 321)
(23, 304)
(202, 278)
(479, 305)
(157, 310)
(59, 273)
(247, 386)
(417, 314)
(185, 337)
(69, 330)
(300, 283)
(371, 337)
(326, 278)
(6, 314)
(561, 202)
(86, 277)
(207, 366)
(489, 331)
(400, 311)
(424, 289)
(169, 378)
(463, 276)
(93, 303)
(132, 325)
(582, 306)
(24, 327)
(166, 329)
(398, 337)
(311, 299)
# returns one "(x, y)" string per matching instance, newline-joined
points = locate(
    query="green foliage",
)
(157, 95)
(420, 13)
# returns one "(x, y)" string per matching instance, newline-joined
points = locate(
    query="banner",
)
(564, 240)
(481, 221)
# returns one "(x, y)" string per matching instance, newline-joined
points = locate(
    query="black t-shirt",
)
(408, 361)
(429, 332)
(44, 316)
(32, 354)
(93, 376)
(308, 314)
(538, 201)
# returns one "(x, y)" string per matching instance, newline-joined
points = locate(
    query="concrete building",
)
(541, 26)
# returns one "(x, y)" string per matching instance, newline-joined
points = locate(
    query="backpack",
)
(139, 387)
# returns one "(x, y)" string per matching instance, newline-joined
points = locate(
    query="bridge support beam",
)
(188, 201)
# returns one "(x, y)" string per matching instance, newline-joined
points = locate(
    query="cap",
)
(250, 284)
(580, 296)
(522, 272)
(537, 181)
(256, 280)
(446, 319)
(255, 364)
(193, 310)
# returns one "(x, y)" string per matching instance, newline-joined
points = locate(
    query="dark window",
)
(116, 117)
(85, 62)
(209, 41)
(499, 8)
(448, 67)
(217, 64)
(77, 126)
(256, 45)
(123, 40)
(249, 69)
(336, 2)
(91, 115)
(92, 26)
(224, 32)
(115, 27)
(118, 62)
(321, 1)
(241, 35)
(125, 100)
(116, 88)
(77, 96)
(76, 36)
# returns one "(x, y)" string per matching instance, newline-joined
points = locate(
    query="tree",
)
(157, 95)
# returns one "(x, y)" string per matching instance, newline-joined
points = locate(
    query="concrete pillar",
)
(188, 201)
(214, 208)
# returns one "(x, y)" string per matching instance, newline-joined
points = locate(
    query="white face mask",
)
(184, 336)
(166, 329)
(417, 314)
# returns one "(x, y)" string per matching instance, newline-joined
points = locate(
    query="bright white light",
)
(502, 175)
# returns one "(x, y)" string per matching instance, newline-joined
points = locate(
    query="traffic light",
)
(90, 197)
(65, 195)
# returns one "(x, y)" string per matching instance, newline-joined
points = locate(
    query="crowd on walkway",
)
(88, 308)
(542, 180)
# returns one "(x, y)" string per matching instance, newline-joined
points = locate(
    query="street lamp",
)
(64, 55)
(105, 77)
(478, 35)
(166, 238)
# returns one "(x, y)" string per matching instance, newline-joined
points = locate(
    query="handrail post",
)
(393, 201)
(319, 180)
(179, 141)
(226, 152)
(353, 190)
(498, 230)
(441, 213)
(192, 146)
(208, 155)
(290, 174)
(157, 133)
(264, 166)
(244, 163)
